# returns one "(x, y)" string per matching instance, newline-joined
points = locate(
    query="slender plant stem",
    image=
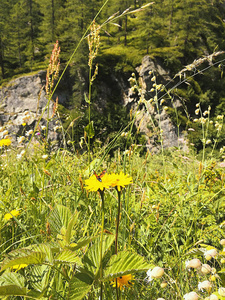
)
(116, 238)
(101, 243)
(89, 119)
(117, 221)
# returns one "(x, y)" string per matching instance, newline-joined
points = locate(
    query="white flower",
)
(213, 297)
(191, 129)
(194, 263)
(204, 285)
(45, 156)
(56, 128)
(222, 242)
(29, 132)
(163, 284)
(197, 111)
(21, 139)
(43, 127)
(157, 272)
(191, 296)
(208, 142)
(206, 269)
(210, 253)
(221, 291)
(5, 132)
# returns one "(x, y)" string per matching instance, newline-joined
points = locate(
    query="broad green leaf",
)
(12, 290)
(59, 218)
(92, 258)
(68, 256)
(12, 279)
(39, 277)
(125, 262)
(90, 130)
(22, 256)
(81, 243)
(45, 248)
(79, 286)
(70, 226)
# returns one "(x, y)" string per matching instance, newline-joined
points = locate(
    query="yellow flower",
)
(93, 184)
(13, 213)
(5, 142)
(120, 180)
(123, 281)
(24, 124)
(18, 267)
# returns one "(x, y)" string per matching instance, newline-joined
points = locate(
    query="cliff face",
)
(151, 119)
(24, 101)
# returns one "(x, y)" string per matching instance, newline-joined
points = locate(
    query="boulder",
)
(23, 101)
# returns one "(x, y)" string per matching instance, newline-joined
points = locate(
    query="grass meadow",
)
(92, 224)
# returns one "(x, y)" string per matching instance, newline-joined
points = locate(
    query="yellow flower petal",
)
(93, 184)
(123, 281)
(121, 180)
(5, 142)
(13, 213)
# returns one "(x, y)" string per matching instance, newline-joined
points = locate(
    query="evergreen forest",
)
(176, 31)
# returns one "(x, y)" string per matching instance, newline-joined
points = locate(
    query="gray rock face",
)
(24, 101)
(152, 118)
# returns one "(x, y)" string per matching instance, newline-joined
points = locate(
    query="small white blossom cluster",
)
(26, 117)
(156, 272)
(135, 88)
(4, 134)
(124, 134)
(209, 284)
(204, 120)
(155, 89)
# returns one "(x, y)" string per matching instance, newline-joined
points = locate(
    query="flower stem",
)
(117, 221)
(101, 243)
(116, 238)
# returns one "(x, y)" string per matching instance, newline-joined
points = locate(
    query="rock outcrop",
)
(23, 101)
(150, 117)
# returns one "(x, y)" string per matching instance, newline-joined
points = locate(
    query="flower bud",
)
(222, 242)
(205, 285)
(206, 269)
(221, 291)
(191, 296)
(163, 284)
(194, 263)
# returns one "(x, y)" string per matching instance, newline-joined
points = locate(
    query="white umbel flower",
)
(191, 296)
(157, 272)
